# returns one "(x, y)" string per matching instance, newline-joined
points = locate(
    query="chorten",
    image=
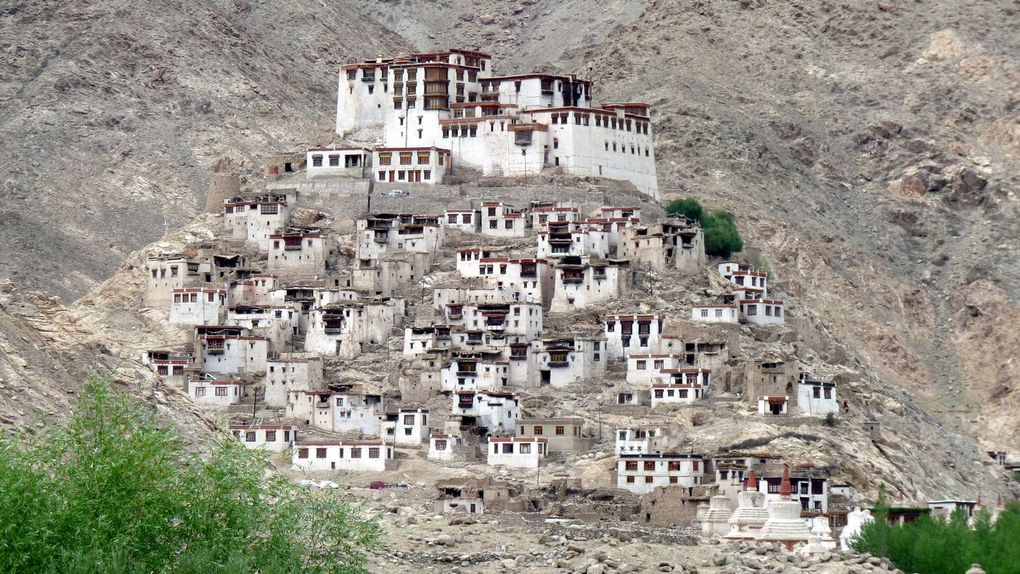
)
(855, 519)
(715, 522)
(784, 525)
(750, 515)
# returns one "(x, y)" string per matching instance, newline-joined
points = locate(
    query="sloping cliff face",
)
(870, 151)
(112, 113)
(47, 354)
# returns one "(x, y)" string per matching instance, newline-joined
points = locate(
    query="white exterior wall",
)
(689, 471)
(465, 220)
(596, 151)
(676, 394)
(585, 360)
(583, 242)
(369, 323)
(291, 374)
(360, 158)
(339, 456)
(808, 404)
(636, 342)
(643, 369)
(523, 452)
(273, 438)
(496, 413)
(254, 221)
(356, 106)
(445, 454)
(487, 376)
(216, 393)
(278, 324)
(715, 314)
(764, 406)
(765, 312)
(165, 275)
(309, 259)
(410, 429)
(432, 171)
(591, 290)
(208, 307)
(240, 355)
(499, 220)
(541, 216)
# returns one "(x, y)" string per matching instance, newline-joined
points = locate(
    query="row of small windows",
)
(370, 75)
(636, 150)
(601, 121)
(373, 452)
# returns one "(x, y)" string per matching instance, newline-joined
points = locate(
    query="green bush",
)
(687, 207)
(113, 491)
(721, 236)
(945, 546)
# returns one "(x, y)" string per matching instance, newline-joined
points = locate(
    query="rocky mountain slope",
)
(869, 150)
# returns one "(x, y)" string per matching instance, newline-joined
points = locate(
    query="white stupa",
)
(821, 538)
(784, 525)
(855, 519)
(750, 515)
(716, 519)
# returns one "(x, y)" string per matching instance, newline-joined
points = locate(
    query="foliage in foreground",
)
(945, 546)
(721, 236)
(112, 491)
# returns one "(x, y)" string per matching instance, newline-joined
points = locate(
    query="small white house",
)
(231, 353)
(642, 473)
(465, 220)
(627, 334)
(355, 456)
(581, 281)
(501, 220)
(444, 447)
(666, 393)
(408, 427)
(645, 369)
(217, 392)
(516, 452)
(275, 438)
(198, 306)
(816, 397)
(497, 412)
(639, 440)
(254, 219)
(715, 313)
(352, 162)
(763, 311)
(291, 372)
(300, 251)
(411, 164)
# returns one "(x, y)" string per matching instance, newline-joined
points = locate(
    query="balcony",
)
(333, 330)
(368, 78)
(466, 373)
(574, 280)
(455, 315)
(558, 364)
(292, 247)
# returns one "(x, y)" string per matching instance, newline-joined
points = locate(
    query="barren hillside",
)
(869, 150)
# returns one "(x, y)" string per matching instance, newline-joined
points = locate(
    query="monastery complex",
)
(425, 317)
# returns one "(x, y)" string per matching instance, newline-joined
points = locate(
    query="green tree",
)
(687, 207)
(721, 236)
(113, 491)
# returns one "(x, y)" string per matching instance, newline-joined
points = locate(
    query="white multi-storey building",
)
(516, 452)
(198, 306)
(581, 281)
(409, 427)
(274, 438)
(629, 334)
(561, 239)
(291, 372)
(254, 219)
(642, 473)
(499, 125)
(300, 251)
(497, 412)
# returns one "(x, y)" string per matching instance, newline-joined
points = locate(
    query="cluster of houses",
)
(276, 305)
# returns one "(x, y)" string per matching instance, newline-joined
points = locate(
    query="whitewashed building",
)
(165, 273)
(254, 218)
(497, 412)
(500, 125)
(198, 306)
(465, 220)
(278, 323)
(216, 392)
(355, 456)
(498, 219)
(629, 334)
(715, 313)
(260, 289)
(645, 369)
(337, 412)
(650, 439)
(351, 162)
(475, 372)
(520, 320)
(291, 372)
(230, 350)
(564, 361)
(581, 281)
(642, 473)
(411, 164)
(445, 447)
(273, 438)
(516, 452)
(298, 251)
(816, 397)
(560, 239)
(342, 329)
(381, 234)
(408, 427)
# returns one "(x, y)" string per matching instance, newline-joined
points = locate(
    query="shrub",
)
(830, 419)
(944, 546)
(721, 236)
(687, 207)
(112, 490)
